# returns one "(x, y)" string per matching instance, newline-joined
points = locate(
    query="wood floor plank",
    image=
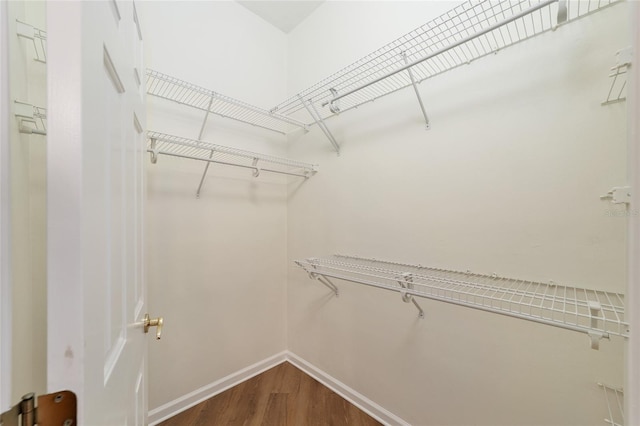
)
(281, 396)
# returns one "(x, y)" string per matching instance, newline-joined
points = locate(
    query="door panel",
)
(103, 140)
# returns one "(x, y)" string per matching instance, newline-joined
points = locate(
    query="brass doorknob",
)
(156, 322)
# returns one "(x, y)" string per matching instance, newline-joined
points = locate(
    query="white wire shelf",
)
(468, 32)
(31, 119)
(184, 93)
(614, 397)
(176, 146)
(599, 314)
(37, 37)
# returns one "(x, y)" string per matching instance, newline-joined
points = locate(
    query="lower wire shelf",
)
(176, 146)
(599, 314)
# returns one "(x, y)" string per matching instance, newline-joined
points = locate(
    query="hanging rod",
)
(184, 93)
(468, 32)
(599, 314)
(37, 37)
(31, 119)
(176, 146)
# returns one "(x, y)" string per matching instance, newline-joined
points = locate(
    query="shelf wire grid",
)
(469, 21)
(184, 93)
(552, 304)
(161, 143)
(37, 37)
(614, 398)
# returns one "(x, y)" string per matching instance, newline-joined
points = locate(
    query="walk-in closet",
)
(428, 207)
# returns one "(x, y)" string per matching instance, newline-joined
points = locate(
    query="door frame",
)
(5, 286)
(632, 385)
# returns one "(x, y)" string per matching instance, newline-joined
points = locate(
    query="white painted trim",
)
(179, 405)
(185, 402)
(632, 385)
(362, 402)
(5, 281)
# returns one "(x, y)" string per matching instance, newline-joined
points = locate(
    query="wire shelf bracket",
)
(31, 119)
(173, 89)
(176, 146)
(618, 77)
(470, 31)
(37, 37)
(317, 118)
(614, 398)
(415, 88)
(597, 313)
(322, 279)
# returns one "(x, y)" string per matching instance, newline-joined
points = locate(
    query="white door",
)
(96, 292)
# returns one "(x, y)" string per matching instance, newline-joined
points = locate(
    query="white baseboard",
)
(362, 402)
(185, 402)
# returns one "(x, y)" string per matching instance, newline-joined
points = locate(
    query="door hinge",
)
(54, 409)
(618, 195)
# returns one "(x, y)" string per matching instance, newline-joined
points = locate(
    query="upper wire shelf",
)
(468, 32)
(176, 146)
(37, 37)
(184, 93)
(599, 314)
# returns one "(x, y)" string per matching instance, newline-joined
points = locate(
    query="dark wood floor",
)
(281, 396)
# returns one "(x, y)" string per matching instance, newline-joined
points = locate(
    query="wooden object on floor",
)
(281, 396)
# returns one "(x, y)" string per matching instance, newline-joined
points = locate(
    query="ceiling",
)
(285, 15)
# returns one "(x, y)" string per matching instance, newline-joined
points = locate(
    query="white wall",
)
(216, 266)
(507, 180)
(28, 211)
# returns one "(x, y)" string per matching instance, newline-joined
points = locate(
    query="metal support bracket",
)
(334, 106)
(324, 280)
(415, 89)
(204, 123)
(406, 283)
(618, 195)
(153, 150)
(595, 336)
(256, 172)
(317, 118)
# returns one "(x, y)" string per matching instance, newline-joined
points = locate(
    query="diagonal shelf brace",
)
(324, 280)
(313, 112)
(206, 167)
(406, 282)
(415, 88)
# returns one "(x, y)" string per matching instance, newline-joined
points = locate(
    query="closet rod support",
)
(206, 167)
(444, 49)
(153, 151)
(415, 89)
(317, 118)
(406, 283)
